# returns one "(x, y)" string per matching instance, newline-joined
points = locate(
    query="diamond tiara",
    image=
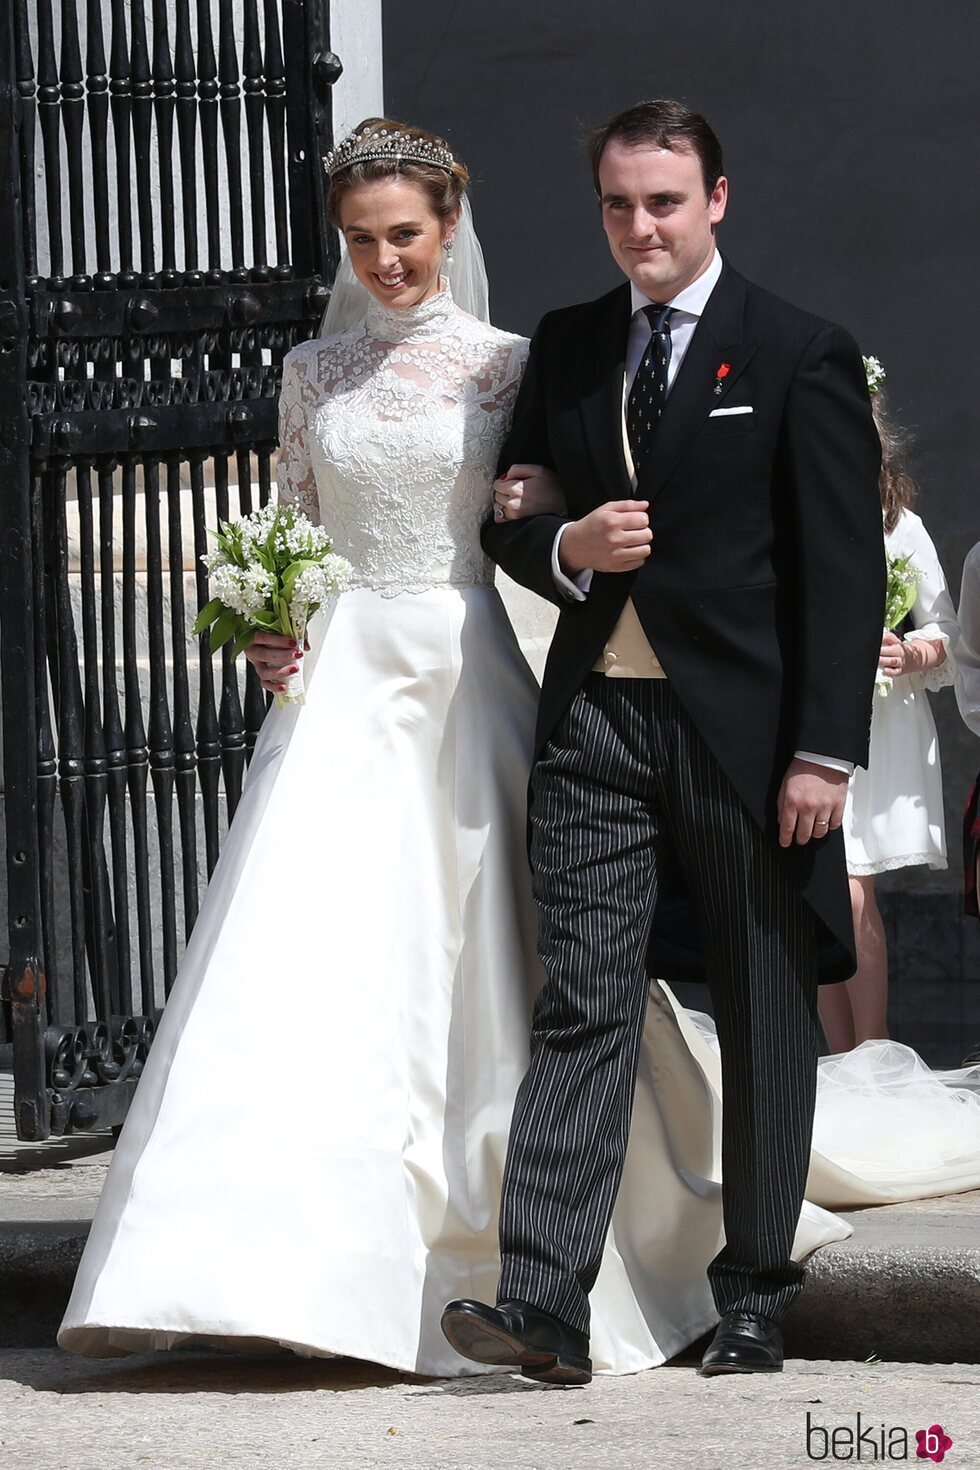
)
(395, 147)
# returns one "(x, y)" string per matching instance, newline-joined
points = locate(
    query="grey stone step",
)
(904, 1288)
(48, 1194)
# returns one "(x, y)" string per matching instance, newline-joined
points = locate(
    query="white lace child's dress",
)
(894, 812)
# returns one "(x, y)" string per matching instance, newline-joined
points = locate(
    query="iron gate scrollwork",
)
(165, 244)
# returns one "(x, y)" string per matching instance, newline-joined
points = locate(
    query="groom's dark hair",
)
(665, 124)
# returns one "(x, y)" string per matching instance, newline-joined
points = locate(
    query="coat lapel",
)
(600, 373)
(717, 339)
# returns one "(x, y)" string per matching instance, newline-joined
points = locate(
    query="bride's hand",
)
(527, 490)
(274, 657)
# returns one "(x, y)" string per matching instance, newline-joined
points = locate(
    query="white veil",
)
(466, 271)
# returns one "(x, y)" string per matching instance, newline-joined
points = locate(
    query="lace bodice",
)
(389, 436)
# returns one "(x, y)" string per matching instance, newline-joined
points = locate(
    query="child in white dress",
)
(894, 812)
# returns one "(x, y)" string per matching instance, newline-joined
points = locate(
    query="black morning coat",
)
(764, 591)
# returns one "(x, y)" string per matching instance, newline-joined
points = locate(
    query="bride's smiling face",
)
(395, 240)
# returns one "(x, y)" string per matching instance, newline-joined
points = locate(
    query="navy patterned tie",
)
(649, 391)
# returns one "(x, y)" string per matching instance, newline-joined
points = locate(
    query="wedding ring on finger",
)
(498, 512)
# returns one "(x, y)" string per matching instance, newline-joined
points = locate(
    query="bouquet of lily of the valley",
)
(900, 593)
(271, 570)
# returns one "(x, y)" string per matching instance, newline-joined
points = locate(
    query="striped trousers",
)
(625, 786)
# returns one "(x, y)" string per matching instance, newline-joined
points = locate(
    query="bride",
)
(313, 1158)
(315, 1152)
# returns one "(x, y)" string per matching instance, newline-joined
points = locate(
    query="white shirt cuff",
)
(830, 761)
(576, 589)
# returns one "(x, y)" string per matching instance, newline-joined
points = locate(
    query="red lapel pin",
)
(721, 375)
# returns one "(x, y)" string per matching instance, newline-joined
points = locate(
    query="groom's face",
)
(658, 217)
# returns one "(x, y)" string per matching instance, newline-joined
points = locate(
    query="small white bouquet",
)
(271, 570)
(900, 592)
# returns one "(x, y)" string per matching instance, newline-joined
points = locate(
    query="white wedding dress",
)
(313, 1157)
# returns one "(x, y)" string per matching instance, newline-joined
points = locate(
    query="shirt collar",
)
(693, 299)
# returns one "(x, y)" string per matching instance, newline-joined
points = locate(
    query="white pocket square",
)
(720, 413)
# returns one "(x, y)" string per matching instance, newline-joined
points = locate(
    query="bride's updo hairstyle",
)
(429, 163)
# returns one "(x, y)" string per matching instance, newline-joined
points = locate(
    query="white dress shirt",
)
(688, 306)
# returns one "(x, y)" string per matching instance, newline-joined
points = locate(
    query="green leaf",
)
(289, 577)
(208, 614)
(225, 627)
(242, 642)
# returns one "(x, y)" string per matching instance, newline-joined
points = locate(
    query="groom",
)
(708, 691)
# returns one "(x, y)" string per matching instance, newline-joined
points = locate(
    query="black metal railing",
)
(165, 246)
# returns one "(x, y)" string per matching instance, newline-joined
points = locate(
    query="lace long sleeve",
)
(505, 389)
(933, 614)
(294, 474)
(968, 652)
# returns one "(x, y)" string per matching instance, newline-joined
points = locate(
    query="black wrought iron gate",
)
(163, 245)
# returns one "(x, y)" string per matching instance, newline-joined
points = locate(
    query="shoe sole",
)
(569, 1372)
(714, 1370)
(484, 1342)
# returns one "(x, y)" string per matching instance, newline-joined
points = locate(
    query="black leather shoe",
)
(517, 1335)
(744, 1343)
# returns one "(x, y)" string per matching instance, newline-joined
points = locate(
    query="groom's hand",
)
(614, 538)
(810, 803)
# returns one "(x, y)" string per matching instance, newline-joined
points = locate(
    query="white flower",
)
(310, 586)
(255, 527)
(244, 590)
(294, 539)
(338, 570)
(226, 587)
(316, 583)
(259, 582)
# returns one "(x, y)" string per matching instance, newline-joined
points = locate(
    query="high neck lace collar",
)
(420, 323)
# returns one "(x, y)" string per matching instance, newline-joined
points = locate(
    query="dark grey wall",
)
(850, 133)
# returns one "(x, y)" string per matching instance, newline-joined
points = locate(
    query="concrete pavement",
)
(196, 1412)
